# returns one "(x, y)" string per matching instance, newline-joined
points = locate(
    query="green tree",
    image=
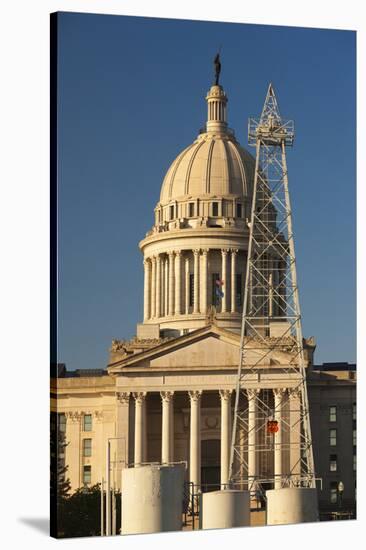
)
(59, 482)
(80, 515)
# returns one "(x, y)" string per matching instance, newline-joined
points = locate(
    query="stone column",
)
(242, 459)
(158, 286)
(295, 433)
(178, 278)
(122, 431)
(195, 439)
(140, 427)
(166, 286)
(278, 401)
(252, 395)
(203, 282)
(196, 281)
(171, 284)
(275, 288)
(282, 287)
(270, 288)
(171, 437)
(147, 285)
(167, 403)
(187, 285)
(153, 287)
(224, 278)
(225, 396)
(233, 280)
(144, 432)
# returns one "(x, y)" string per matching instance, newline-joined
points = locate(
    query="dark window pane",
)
(214, 298)
(62, 422)
(87, 474)
(87, 447)
(191, 289)
(239, 290)
(333, 413)
(87, 422)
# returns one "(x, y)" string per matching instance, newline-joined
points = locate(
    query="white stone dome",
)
(200, 233)
(214, 164)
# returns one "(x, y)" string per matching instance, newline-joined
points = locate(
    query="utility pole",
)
(102, 508)
(107, 492)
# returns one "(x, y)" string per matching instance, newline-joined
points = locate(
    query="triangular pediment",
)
(211, 351)
(210, 347)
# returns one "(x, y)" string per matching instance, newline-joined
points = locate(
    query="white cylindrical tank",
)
(152, 499)
(292, 505)
(227, 508)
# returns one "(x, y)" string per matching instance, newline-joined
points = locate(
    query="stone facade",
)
(168, 394)
(168, 432)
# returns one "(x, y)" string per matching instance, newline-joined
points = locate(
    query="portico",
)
(185, 405)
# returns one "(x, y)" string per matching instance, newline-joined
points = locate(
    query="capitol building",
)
(167, 395)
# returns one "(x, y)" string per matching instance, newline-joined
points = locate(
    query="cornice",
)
(212, 232)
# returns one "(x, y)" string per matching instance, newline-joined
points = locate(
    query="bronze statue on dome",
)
(217, 68)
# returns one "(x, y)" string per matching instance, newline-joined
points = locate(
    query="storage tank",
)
(223, 509)
(152, 499)
(292, 505)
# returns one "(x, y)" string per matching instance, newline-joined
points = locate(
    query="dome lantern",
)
(216, 110)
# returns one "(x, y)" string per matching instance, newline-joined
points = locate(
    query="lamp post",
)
(108, 484)
(340, 493)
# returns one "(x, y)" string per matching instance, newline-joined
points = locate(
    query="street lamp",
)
(340, 493)
(108, 483)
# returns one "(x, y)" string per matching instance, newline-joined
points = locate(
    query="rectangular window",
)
(215, 208)
(333, 413)
(62, 422)
(354, 462)
(333, 492)
(333, 463)
(87, 447)
(171, 212)
(238, 211)
(354, 437)
(191, 289)
(87, 422)
(191, 209)
(354, 411)
(239, 292)
(215, 299)
(333, 437)
(87, 474)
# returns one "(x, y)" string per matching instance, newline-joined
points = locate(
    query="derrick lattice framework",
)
(271, 438)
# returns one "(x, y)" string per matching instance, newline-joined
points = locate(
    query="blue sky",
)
(131, 97)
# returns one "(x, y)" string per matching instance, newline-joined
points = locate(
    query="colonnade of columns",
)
(167, 442)
(167, 282)
(292, 426)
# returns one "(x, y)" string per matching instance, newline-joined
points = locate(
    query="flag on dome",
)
(218, 291)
